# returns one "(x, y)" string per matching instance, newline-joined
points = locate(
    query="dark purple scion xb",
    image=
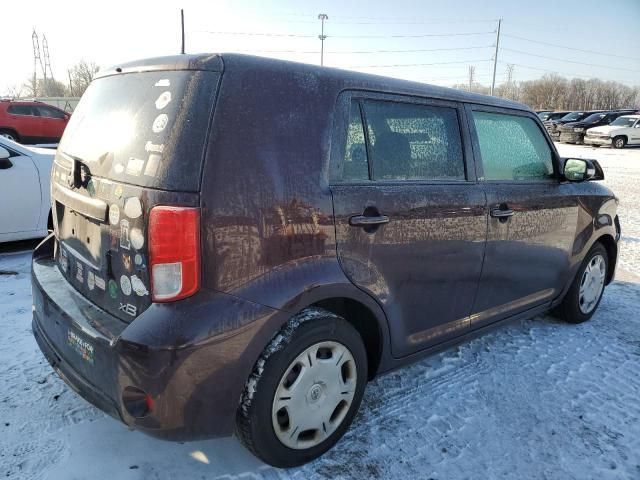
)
(241, 243)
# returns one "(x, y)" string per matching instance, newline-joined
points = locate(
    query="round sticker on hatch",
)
(125, 285)
(160, 122)
(132, 207)
(163, 100)
(113, 289)
(138, 259)
(137, 238)
(138, 286)
(118, 168)
(114, 214)
(91, 280)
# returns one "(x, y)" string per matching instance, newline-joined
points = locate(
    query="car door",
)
(24, 120)
(53, 122)
(20, 194)
(410, 216)
(533, 217)
(634, 134)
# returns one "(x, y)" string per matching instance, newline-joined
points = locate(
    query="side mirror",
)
(580, 170)
(4, 153)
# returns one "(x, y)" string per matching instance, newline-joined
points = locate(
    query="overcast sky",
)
(431, 41)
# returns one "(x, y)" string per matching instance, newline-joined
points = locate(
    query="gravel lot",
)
(534, 399)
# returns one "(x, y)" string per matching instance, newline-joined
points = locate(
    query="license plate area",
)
(81, 235)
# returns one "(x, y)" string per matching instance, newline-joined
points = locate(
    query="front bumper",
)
(597, 140)
(192, 362)
(571, 137)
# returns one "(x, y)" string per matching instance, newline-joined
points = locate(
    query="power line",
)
(297, 35)
(550, 70)
(258, 34)
(422, 35)
(570, 48)
(569, 61)
(418, 50)
(416, 64)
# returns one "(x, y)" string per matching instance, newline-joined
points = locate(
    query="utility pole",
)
(495, 58)
(472, 71)
(182, 29)
(322, 17)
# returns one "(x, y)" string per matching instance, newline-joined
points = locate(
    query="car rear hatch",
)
(136, 140)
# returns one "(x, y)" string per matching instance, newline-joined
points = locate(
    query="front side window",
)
(414, 142)
(512, 148)
(50, 112)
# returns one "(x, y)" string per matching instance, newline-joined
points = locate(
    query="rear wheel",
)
(10, 134)
(305, 390)
(587, 288)
(619, 142)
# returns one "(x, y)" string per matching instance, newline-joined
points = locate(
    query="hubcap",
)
(592, 284)
(619, 143)
(314, 395)
(7, 135)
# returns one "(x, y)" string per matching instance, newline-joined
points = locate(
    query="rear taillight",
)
(174, 252)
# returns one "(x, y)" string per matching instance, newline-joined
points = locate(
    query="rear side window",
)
(414, 142)
(20, 110)
(356, 165)
(512, 148)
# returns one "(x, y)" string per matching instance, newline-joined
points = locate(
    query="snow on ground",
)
(533, 399)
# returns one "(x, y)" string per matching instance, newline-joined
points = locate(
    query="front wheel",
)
(304, 391)
(10, 134)
(619, 142)
(587, 288)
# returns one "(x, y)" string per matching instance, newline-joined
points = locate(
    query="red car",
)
(32, 122)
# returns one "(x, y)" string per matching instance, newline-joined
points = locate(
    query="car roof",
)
(350, 79)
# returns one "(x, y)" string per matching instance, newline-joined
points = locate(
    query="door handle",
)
(367, 221)
(5, 163)
(499, 213)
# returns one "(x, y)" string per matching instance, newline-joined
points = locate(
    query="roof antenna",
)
(182, 29)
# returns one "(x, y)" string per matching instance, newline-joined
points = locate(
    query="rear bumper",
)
(192, 357)
(597, 140)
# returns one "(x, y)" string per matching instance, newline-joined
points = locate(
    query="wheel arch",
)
(611, 247)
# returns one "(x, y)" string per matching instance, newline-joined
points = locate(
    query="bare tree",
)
(80, 76)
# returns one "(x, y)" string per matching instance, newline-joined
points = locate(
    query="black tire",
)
(10, 134)
(569, 310)
(254, 425)
(619, 142)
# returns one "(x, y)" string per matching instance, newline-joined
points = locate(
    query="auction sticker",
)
(80, 346)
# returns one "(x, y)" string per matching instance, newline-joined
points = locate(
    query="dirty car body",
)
(256, 147)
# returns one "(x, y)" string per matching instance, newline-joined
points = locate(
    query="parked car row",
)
(31, 121)
(572, 127)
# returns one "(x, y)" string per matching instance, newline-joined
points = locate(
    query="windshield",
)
(572, 117)
(623, 122)
(133, 127)
(596, 117)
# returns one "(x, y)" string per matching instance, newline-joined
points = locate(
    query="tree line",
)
(78, 79)
(555, 92)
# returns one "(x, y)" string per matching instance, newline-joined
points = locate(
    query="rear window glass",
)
(147, 129)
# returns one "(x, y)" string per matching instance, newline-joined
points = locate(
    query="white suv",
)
(623, 131)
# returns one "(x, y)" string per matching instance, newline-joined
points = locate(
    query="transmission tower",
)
(472, 72)
(36, 59)
(45, 54)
